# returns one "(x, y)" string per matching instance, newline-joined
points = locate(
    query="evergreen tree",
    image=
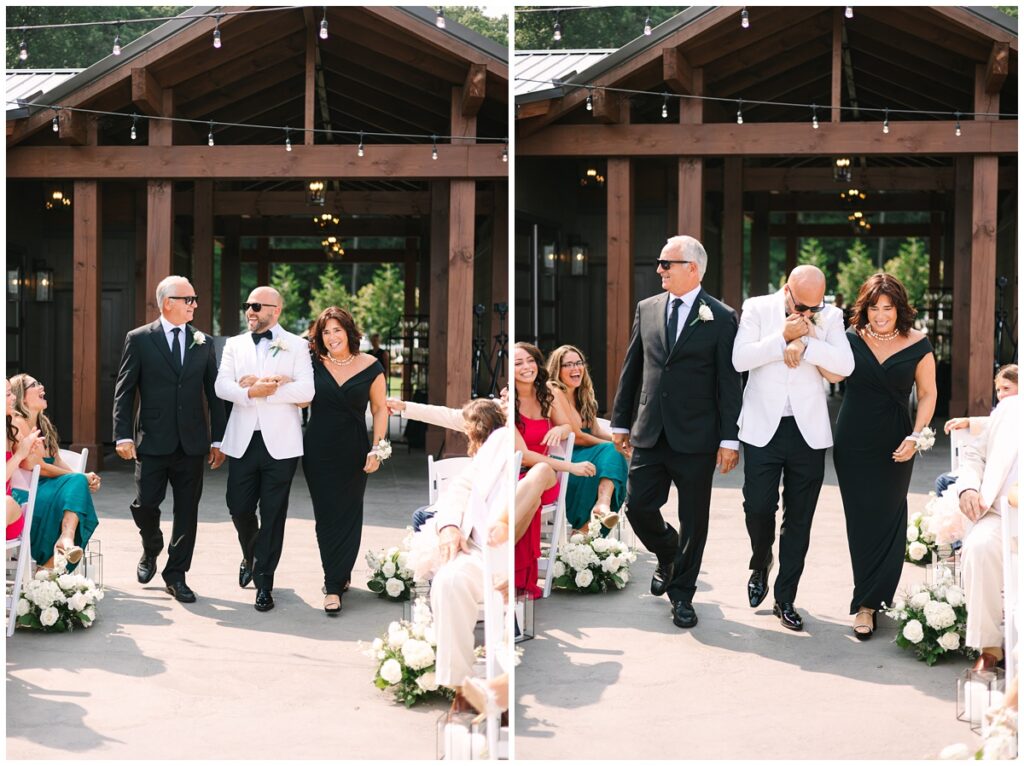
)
(855, 270)
(380, 303)
(494, 28)
(331, 292)
(588, 28)
(812, 253)
(294, 316)
(911, 267)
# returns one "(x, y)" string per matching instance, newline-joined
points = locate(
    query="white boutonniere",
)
(198, 339)
(816, 319)
(703, 314)
(276, 346)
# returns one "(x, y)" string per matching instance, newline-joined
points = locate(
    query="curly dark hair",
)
(348, 324)
(483, 417)
(540, 384)
(872, 291)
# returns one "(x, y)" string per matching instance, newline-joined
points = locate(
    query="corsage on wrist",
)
(381, 450)
(924, 439)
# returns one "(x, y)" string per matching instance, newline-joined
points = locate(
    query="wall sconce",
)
(44, 285)
(315, 193)
(13, 284)
(578, 260)
(550, 258)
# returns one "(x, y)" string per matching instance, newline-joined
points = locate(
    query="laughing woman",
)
(602, 495)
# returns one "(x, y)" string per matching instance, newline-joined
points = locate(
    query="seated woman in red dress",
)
(15, 514)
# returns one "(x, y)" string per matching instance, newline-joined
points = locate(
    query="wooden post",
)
(461, 251)
(141, 309)
(935, 251)
(760, 249)
(86, 324)
(958, 402)
(691, 169)
(202, 254)
(230, 278)
(791, 242)
(309, 104)
(619, 305)
(409, 275)
(437, 372)
(732, 233)
(159, 239)
(837, 63)
(499, 271)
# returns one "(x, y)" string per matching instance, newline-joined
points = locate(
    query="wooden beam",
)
(86, 321)
(73, 128)
(437, 371)
(230, 279)
(349, 227)
(139, 257)
(837, 63)
(523, 111)
(754, 140)
(161, 132)
(474, 90)
(732, 233)
(159, 239)
(676, 71)
(412, 257)
(690, 218)
(405, 161)
(998, 67)
(843, 230)
(147, 94)
(975, 24)
(691, 110)
(202, 254)
(962, 263)
(812, 201)
(309, 105)
(316, 255)
(608, 107)
(620, 301)
(820, 179)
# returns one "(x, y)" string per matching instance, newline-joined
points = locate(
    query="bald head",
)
(270, 303)
(806, 285)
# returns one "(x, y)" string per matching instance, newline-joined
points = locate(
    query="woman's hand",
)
(955, 424)
(906, 451)
(585, 468)
(395, 405)
(372, 463)
(31, 443)
(556, 434)
(94, 481)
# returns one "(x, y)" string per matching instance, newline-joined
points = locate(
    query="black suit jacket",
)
(693, 394)
(171, 408)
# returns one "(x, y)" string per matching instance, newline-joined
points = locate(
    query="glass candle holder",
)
(976, 692)
(524, 628)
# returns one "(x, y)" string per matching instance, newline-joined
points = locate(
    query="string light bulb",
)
(558, 29)
(647, 26)
(22, 48)
(744, 19)
(360, 151)
(849, 12)
(885, 123)
(504, 152)
(56, 123)
(287, 139)
(209, 137)
(117, 41)
(739, 112)
(134, 134)
(433, 154)
(814, 116)
(590, 101)
(323, 25)
(216, 33)
(664, 108)
(439, 21)
(957, 116)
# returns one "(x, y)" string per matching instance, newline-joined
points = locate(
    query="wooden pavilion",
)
(166, 201)
(600, 188)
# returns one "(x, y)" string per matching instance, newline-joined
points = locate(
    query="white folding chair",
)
(957, 440)
(555, 514)
(440, 472)
(19, 556)
(1010, 518)
(76, 461)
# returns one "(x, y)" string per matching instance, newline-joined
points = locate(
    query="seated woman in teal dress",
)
(63, 518)
(603, 494)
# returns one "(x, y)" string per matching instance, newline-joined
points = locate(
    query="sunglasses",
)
(190, 300)
(666, 265)
(800, 308)
(257, 307)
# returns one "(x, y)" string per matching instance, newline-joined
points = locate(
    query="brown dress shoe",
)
(987, 661)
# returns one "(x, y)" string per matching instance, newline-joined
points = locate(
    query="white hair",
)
(690, 250)
(163, 290)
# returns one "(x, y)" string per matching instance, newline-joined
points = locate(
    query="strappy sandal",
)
(72, 555)
(862, 630)
(330, 607)
(607, 518)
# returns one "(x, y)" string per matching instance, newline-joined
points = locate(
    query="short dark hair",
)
(1007, 372)
(871, 292)
(348, 324)
(483, 417)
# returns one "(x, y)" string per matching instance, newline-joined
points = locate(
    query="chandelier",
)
(332, 247)
(315, 193)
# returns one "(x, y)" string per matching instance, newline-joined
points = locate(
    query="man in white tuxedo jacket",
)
(265, 373)
(988, 469)
(782, 340)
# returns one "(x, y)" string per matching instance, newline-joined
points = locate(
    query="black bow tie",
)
(258, 336)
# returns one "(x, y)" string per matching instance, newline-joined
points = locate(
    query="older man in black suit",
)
(171, 365)
(679, 364)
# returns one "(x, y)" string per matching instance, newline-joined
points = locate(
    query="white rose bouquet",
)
(392, 576)
(57, 602)
(592, 564)
(921, 534)
(405, 655)
(932, 619)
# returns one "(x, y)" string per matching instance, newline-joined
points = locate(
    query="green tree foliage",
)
(911, 268)
(75, 47)
(294, 314)
(588, 28)
(331, 292)
(472, 16)
(855, 270)
(380, 303)
(812, 253)
(1009, 10)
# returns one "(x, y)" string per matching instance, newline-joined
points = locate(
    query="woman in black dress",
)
(875, 439)
(336, 451)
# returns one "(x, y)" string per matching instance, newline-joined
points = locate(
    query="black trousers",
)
(185, 474)
(801, 469)
(254, 479)
(651, 473)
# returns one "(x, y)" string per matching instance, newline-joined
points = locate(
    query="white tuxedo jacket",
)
(758, 349)
(987, 462)
(279, 419)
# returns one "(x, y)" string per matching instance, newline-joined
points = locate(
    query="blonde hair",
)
(583, 398)
(47, 431)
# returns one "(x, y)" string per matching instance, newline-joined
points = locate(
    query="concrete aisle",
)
(216, 679)
(610, 676)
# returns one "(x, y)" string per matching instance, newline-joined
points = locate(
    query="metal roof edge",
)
(428, 15)
(993, 16)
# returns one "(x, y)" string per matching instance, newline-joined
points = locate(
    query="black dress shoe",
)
(788, 615)
(683, 615)
(264, 600)
(244, 574)
(146, 568)
(181, 592)
(661, 579)
(757, 585)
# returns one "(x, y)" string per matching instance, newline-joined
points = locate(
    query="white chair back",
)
(441, 472)
(76, 461)
(604, 424)
(1011, 553)
(957, 440)
(555, 514)
(19, 556)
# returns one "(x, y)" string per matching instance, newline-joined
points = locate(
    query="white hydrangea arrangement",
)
(998, 739)
(932, 619)
(392, 576)
(406, 655)
(921, 535)
(55, 601)
(589, 563)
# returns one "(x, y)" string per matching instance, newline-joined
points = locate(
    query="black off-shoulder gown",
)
(873, 421)
(334, 453)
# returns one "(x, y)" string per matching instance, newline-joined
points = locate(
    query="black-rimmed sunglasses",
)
(257, 307)
(190, 300)
(663, 264)
(800, 308)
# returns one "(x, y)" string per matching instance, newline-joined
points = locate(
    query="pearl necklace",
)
(880, 336)
(328, 358)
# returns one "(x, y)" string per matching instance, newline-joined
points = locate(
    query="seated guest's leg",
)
(13, 510)
(420, 517)
(456, 591)
(531, 486)
(983, 582)
(943, 482)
